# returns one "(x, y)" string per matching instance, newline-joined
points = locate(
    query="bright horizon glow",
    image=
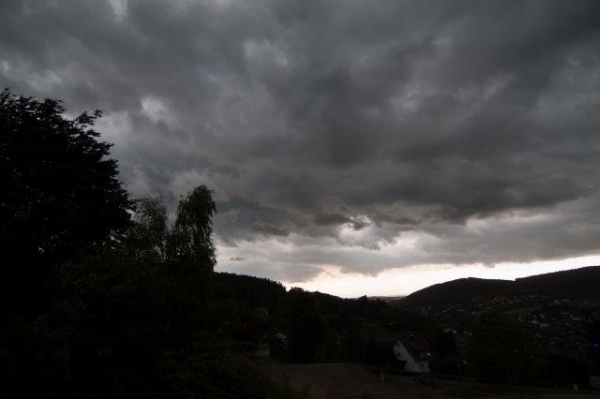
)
(404, 281)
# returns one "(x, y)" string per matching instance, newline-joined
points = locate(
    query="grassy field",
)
(345, 380)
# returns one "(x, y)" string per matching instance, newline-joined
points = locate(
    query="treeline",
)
(302, 326)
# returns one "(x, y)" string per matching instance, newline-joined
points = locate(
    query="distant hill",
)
(581, 283)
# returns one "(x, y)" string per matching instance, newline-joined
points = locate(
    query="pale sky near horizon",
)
(405, 281)
(351, 146)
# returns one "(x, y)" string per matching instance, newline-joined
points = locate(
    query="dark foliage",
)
(564, 370)
(353, 341)
(127, 322)
(58, 189)
(379, 351)
(250, 291)
(501, 350)
(190, 241)
(59, 193)
(306, 325)
(445, 343)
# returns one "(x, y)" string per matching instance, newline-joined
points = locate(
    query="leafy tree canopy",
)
(59, 191)
(191, 242)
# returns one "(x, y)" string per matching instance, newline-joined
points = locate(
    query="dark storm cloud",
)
(334, 219)
(407, 221)
(331, 219)
(337, 126)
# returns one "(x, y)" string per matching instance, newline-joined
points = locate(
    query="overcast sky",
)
(346, 141)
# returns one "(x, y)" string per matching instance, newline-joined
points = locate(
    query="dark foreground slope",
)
(350, 380)
(577, 284)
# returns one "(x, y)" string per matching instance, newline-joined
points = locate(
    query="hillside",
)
(577, 284)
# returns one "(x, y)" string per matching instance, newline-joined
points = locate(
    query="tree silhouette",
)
(148, 236)
(58, 190)
(59, 194)
(306, 325)
(191, 237)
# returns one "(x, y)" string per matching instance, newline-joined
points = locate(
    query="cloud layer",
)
(337, 133)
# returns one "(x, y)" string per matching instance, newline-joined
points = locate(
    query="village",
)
(560, 324)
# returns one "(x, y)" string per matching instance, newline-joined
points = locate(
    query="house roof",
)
(417, 346)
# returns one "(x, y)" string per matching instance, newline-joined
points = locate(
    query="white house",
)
(415, 352)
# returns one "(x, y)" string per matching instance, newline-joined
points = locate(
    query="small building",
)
(415, 352)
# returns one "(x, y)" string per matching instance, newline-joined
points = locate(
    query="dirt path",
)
(343, 380)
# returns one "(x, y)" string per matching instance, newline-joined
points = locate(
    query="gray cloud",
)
(334, 219)
(340, 128)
